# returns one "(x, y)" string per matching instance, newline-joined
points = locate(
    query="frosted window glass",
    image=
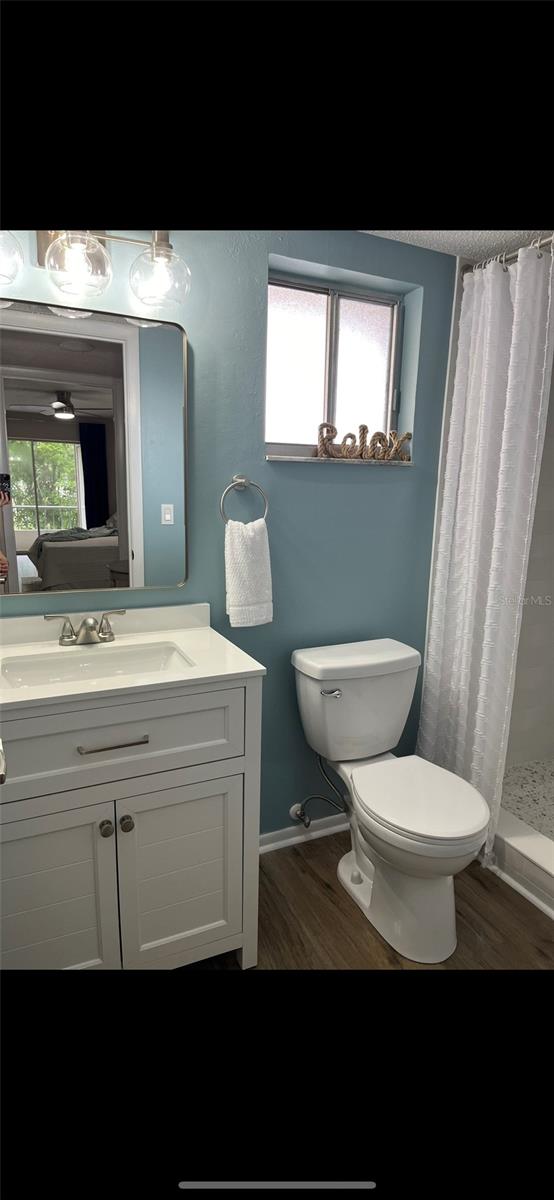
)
(295, 387)
(362, 372)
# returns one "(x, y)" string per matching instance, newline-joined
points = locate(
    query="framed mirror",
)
(93, 451)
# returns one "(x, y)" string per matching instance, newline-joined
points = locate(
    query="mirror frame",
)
(43, 304)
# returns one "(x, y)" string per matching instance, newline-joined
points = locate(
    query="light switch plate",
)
(167, 514)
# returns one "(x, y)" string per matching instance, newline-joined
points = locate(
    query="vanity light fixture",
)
(79, 265)
(11, 257)
(63, 407)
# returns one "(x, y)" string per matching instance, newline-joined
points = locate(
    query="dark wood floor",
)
(308, 921)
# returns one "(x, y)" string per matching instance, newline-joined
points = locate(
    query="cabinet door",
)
(180, 868)
(59, 892)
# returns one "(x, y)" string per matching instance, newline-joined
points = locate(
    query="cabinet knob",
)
(106, 828)
(127, 823)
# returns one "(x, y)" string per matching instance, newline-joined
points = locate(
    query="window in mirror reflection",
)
(47, 491)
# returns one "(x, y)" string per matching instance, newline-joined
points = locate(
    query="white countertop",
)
(211, 659)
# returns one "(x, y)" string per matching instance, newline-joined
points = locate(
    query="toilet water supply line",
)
(298, 811)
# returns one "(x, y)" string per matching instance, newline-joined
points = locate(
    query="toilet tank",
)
(354, 699)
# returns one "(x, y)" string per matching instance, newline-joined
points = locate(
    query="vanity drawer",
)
(92, 746)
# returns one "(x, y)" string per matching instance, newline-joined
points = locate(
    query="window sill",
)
(340, 462)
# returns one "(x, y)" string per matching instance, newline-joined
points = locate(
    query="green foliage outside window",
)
(43, 476)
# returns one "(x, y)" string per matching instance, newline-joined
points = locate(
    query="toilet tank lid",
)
(380, 656)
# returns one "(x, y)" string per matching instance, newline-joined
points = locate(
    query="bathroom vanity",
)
(130, 806)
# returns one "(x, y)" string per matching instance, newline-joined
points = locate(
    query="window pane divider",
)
(395, 353)
(35, 485)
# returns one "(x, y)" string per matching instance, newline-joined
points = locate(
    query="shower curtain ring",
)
(504, 267)
(538, 248)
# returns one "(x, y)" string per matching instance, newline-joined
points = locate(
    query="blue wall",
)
(350, 546)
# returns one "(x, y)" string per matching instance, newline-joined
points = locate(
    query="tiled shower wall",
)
(532, 724)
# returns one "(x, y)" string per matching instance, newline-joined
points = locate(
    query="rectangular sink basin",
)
(91, 663)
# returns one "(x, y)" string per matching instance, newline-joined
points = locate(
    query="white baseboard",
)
(296, 833)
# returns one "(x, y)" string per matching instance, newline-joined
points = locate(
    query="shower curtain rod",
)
(506, 258)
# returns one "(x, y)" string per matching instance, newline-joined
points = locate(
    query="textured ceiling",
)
(474, 244)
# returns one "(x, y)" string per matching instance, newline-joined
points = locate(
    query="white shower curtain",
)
(495, 441)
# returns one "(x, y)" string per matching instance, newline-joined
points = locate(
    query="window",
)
(331, 356)
(47, 488)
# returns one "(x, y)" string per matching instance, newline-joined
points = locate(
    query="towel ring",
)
(240, 482)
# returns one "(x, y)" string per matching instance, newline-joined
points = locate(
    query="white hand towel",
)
(249, 599)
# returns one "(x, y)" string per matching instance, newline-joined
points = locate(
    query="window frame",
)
(334, 293)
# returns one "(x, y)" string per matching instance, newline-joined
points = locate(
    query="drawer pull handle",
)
(119, 746)
(106, 828)
(127, 823)
(3, 768)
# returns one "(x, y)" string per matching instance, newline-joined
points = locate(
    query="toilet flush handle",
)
(335, 693)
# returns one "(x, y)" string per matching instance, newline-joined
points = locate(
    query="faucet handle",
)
(105, 631)
(68, 635)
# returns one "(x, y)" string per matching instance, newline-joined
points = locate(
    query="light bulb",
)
(78, 265)
(11, 257)
(159, 276)
(63, 407)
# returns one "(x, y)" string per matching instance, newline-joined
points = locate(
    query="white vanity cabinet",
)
(130, 828)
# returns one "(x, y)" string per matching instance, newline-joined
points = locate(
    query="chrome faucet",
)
(90, 632)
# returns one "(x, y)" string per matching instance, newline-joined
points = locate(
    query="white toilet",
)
(413, 825)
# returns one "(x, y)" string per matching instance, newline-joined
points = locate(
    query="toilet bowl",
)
(413, 825)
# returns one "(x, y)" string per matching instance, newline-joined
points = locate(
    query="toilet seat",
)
(415, 800)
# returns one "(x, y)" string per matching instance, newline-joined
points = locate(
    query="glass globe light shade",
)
(11, 257)
(78, 265)
(159, 276)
